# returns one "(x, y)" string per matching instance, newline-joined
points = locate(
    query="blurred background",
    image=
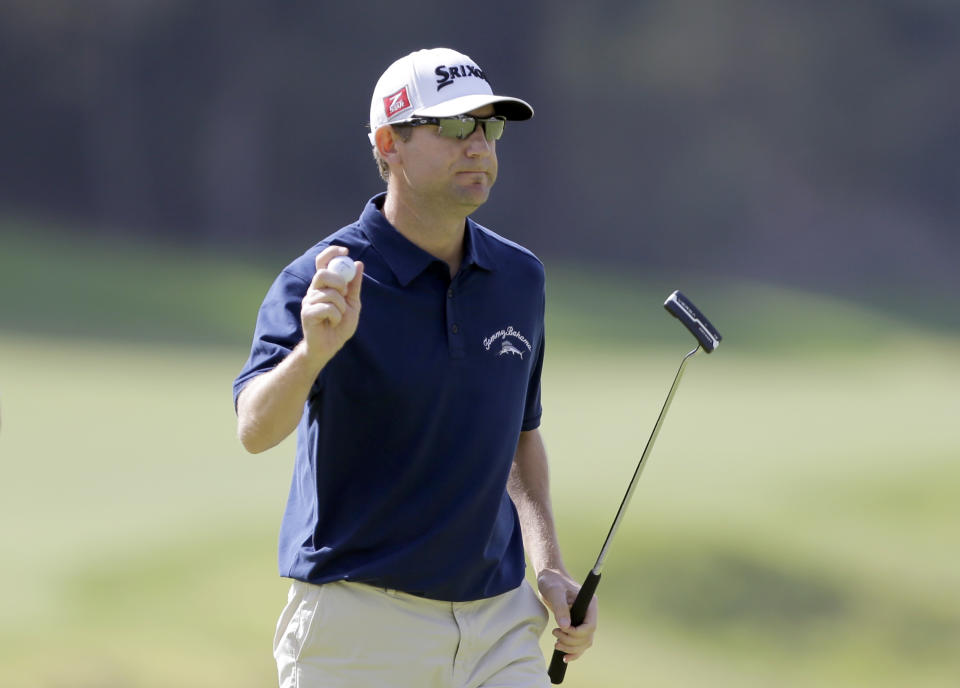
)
(793, 169)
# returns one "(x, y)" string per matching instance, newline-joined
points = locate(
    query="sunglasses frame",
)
(455, 127)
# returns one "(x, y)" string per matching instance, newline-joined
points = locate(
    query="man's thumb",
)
(557, 599)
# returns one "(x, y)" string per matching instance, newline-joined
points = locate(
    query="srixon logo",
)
(449, 74)
(396, 102)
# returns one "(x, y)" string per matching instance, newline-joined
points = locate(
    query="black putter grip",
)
(683, 309)
(577, 613)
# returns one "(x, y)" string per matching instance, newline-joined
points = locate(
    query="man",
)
(420, 472)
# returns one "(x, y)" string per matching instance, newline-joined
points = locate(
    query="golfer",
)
(414, 388)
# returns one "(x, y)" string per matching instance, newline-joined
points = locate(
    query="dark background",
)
(812, 144)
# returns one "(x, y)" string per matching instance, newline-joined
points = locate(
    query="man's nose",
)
(477, 144)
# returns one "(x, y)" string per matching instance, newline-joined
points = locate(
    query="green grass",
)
(797, 518)
(796, 525)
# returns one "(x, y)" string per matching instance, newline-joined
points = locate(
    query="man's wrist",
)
(555, 569)
(310, 358)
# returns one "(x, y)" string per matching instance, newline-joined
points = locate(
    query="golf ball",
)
(343, 266)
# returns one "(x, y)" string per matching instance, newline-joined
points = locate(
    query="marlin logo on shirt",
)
(509, 348)
(512, 340)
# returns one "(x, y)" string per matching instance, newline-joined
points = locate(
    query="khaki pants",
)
(341, 635)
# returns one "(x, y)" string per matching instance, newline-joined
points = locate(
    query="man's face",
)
(448, 171)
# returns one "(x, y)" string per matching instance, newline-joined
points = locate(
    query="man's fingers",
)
(325, 296)
(329, 253)
(575, 640)
(572, 650)
(324, 278)
(575, 635)
(322, 312)
(322, 305)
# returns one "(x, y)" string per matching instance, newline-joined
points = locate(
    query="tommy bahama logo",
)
(396, 102)
(448, 74)
(508, 346)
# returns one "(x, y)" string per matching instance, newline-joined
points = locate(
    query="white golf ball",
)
(343, 266)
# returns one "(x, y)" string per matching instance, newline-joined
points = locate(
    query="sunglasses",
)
(462, 126)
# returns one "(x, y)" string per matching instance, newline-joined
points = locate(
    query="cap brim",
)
(513, 109)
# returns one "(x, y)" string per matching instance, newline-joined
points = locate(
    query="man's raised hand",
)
(330, 309)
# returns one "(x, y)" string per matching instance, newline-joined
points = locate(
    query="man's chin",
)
(474, 194)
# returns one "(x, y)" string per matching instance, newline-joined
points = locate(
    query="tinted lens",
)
(456, 127)
(462, 127)
(493, 128)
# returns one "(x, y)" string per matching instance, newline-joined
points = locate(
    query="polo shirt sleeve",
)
(533, 409)
(278, 328)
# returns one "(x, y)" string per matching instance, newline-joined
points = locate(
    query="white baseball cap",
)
(436, 83)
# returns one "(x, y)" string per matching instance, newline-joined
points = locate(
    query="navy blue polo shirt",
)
(409, 432)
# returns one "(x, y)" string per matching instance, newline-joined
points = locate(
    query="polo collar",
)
(407, 260)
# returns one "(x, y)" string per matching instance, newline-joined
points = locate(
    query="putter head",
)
(683, 310)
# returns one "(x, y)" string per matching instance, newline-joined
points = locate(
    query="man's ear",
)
(387, 144)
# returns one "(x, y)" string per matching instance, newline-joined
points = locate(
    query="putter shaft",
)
(598, 567)
(709, 338)
(578, 610)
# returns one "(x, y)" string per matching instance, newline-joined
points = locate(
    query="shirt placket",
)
(455, 341)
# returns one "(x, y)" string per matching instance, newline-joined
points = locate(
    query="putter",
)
(708, 339)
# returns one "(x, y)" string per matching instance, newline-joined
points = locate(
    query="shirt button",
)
(450, 293)
(456, 329)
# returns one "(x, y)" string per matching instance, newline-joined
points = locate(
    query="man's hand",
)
(559, 591)
(330, 309)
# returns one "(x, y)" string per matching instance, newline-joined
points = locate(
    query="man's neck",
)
(438, 231)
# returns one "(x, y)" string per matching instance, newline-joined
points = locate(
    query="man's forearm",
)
(529, 488)
(270, 406)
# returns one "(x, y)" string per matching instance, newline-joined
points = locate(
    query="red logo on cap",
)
(396, 102)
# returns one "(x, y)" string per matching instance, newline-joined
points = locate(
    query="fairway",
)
(796, 525)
